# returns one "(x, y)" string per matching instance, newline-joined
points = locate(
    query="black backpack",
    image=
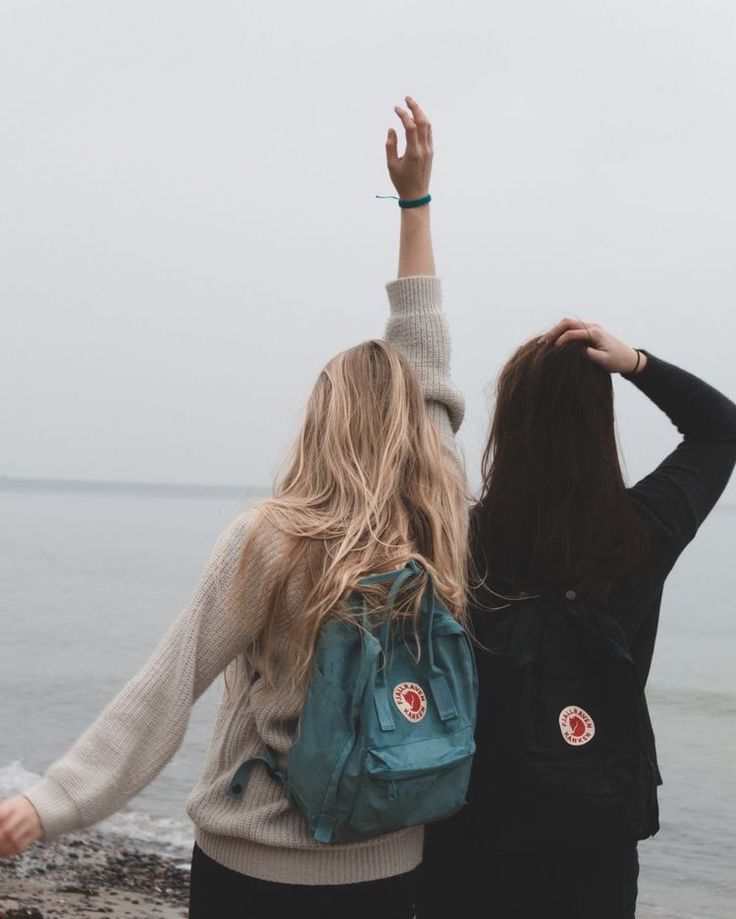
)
(565, 748)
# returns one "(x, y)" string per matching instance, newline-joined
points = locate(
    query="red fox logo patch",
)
(410, 701)
(576, 725)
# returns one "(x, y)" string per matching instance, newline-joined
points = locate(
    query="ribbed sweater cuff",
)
(415, 294)
(56, 809)
(417, 326)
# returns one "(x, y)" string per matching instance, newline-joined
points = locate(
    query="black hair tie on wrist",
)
(636, 365)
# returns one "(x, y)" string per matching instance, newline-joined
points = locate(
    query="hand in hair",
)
(411, 172)
(19, 825)
(603, 349)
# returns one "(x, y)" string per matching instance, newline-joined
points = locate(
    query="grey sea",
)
(91, 575)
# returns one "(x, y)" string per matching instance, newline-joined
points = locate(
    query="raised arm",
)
(417, 324)
(411, 174)
(682, 490)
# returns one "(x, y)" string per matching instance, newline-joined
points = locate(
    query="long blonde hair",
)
(368, 485)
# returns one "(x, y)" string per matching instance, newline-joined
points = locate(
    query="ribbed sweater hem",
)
(383, 857)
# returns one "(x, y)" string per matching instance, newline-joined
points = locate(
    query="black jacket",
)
(674, 500)
(678, 495)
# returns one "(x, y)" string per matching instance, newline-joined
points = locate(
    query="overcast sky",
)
(188, 227)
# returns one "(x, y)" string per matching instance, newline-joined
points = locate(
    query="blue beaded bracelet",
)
(416, 202)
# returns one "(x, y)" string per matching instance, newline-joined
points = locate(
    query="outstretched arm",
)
(140, 730)
(417, 324)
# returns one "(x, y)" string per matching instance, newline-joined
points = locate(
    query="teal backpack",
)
(385, 740)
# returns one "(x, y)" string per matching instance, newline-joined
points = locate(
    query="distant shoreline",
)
(157, 489)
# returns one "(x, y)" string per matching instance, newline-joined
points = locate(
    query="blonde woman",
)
(372, 482)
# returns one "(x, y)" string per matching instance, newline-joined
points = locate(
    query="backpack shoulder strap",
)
(327, 818)
(239, 782)
(437, 679)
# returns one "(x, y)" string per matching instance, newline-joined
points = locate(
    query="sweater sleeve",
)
(418, 327)
(141, 729)
(682, 490)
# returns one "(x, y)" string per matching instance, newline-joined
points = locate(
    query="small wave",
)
(710, 702)
(159, 833)
(15, 778)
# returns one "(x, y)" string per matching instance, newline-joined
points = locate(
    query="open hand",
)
(603, 349)
(19, 825)
(411, 172)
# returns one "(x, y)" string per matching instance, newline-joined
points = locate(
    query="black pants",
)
(220, 893)
(463, 876)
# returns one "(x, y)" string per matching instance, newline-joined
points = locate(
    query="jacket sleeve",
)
(418, 327)
(682, 490)
(141, 729)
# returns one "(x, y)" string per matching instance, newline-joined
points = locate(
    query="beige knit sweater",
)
(262, 834)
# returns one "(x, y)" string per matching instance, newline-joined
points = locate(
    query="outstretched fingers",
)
(411, 171)
(410, 128)
(423, 127)
(392, 148)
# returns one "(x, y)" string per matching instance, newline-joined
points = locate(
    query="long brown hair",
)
(553, 512)
(369, 485)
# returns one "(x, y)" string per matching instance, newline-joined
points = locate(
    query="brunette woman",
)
(555, 525)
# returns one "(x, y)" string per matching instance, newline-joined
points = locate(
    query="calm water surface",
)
(90, 579)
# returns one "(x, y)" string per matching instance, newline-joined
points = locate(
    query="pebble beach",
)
(95, 874)
(89, 874)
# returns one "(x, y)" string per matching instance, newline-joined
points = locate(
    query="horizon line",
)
(48, 483)
(123, 486)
